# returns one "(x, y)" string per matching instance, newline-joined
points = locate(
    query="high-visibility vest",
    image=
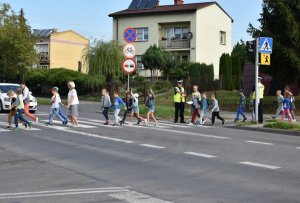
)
(178, 97)
(261, 89)
(21, 103)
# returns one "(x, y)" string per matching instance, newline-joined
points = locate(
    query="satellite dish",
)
(189, 35)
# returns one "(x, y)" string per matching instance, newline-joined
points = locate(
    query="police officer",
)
(261, 90)
(179, 101)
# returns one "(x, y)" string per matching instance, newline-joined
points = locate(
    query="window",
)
(139, 62)
(45, 66)
(177, 32)
(223, 37)
(142, 34)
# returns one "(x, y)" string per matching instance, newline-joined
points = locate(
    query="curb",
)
(267, 130)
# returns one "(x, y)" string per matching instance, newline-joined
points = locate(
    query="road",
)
(169, 163)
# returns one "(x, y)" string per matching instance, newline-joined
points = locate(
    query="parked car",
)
(4, 100)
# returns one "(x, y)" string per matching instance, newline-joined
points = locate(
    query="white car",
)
(5, 102)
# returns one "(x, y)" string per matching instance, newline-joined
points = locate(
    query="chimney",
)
(157, 4)
(178, 2)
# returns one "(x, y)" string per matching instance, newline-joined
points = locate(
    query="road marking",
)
(256, 142)
(152, 146)
(91, 135)
(200, 155)
(80, 125)
(298, 147)
(4, 130)
(135, 197)
(260, 165)
(62, 192)
(21, 127)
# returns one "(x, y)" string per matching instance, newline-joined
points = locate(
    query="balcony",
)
(175, 44)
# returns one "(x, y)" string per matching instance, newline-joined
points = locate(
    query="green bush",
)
(201, 75)
(162, 85)
(282, 125)
(41, 80)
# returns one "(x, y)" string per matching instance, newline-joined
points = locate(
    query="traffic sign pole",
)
(128, 80)
(256, 79)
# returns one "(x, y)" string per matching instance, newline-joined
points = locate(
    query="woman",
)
(72, 104)
(151, 105)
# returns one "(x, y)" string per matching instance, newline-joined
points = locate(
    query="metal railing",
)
(175, 44)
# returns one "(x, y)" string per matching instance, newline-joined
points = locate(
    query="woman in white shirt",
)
(72, 104)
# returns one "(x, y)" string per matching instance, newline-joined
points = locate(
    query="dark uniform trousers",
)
(179, 111)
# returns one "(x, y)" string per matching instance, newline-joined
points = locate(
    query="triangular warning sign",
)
(266, 46)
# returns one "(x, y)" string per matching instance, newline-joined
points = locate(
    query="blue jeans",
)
(55, 112)
(19, 116)
(105, 113)
(63, 115)
(240, 111)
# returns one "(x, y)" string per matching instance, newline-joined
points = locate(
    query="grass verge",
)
(283, 126)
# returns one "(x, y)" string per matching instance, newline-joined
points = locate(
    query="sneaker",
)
(191, 124)
(182, 122)
(14, 129)
(294, 120)
(121, 123)
(245, 119)
(223, 122)
(75, 126)
(147, 124)
(156, 124)
(48, 124)
(235, 120)
(30, 125)
(26, 126)
(37, 120)
(138, 123)
(8, 127)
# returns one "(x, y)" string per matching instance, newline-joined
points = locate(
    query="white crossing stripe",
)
(4, 130)
(135, 197)
(21, 127)
(80, 125)
(63, 192)
(200, 155)
(256, 142)
(260, 165)
(298, 147)
(152, 146)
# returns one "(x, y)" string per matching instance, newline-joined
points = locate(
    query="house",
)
(61, 49)
(197, 32)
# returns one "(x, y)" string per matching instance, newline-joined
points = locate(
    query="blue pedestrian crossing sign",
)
(265, 45)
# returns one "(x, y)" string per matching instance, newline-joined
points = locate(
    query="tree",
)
(153, 59)
(225, 72)
(240, 50)
(236, 71)
(201, 75)
(169, 63)
(104, 61)
(16, 44)
(280, 20)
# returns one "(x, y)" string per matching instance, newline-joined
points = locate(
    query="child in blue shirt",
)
(116, 105)
(205, 109)
(287, 106)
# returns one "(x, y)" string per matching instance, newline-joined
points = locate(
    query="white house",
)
(197, 32)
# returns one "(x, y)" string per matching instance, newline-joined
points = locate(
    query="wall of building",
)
(67, 49)
(210, 21)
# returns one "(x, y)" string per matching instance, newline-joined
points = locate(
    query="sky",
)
(90, 17)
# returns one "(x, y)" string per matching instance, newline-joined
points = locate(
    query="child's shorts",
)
(151, 109)
(136, 110)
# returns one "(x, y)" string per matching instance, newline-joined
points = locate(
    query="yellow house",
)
(61, 49)
(196, 32)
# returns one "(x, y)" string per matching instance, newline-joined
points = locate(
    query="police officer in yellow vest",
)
(179, 101)
(261, 91)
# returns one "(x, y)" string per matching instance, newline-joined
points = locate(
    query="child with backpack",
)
(204, 108)
(216, 110)
(116, 105)
(151, 105)
(241, 107)
(196, 105)
(105, 105)
(12, 112)
(135, 109)
(287, 106)
(19, 106)
(54, 111)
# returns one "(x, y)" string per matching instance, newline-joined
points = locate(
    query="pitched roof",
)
(183, 8)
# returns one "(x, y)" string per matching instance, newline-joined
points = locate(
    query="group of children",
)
(286, 105)
(200, 102)
(131, 106)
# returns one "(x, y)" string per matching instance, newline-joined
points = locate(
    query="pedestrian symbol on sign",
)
(265, 59)
(266, 45)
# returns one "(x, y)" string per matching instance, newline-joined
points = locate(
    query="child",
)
(129, 103)
(12, 112)
(280, 99)
(105, 105)
(241, 107)
(54, 111)
(118, 102)
(19, 105)
(216, 110)
(196, 99)
(151, 105)
(205, 109)
(135, 109)
(287, 106)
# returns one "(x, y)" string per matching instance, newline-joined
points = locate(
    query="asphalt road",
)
(169, 163)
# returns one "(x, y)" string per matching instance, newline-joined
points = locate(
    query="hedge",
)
(201, 75)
